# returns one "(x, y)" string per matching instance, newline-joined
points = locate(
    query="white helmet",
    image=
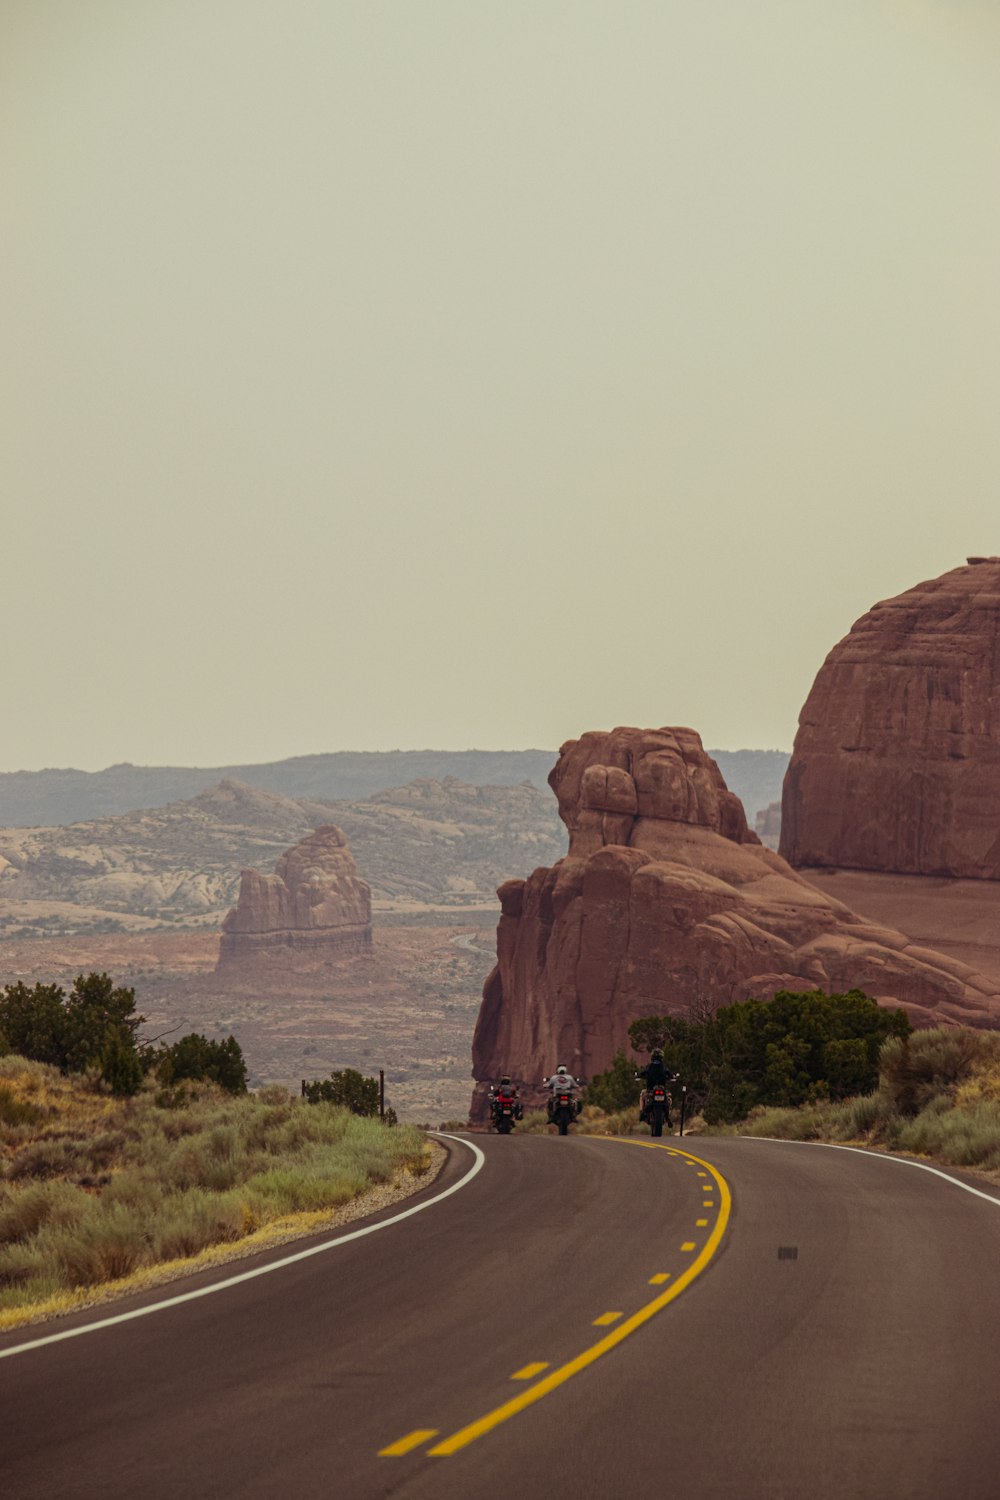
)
(561, 1068)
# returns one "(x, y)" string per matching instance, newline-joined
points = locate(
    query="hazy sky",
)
(475, 372)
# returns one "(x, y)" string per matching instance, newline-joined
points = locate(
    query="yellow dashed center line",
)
(408, 1443)
(708, 1204)
(551, 1381)
(701, 1223)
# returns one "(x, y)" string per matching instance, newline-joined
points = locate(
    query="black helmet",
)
(657, 1054)
(505, 1078)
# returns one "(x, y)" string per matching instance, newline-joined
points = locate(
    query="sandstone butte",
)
(315, 899)
(896, 763)
(667, 901)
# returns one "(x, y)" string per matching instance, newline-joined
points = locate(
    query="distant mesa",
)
(314, 900)
(667, 901)
(896, 764)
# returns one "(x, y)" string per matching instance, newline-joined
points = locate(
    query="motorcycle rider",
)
(505, 1089)
(654, 1072)
(562, 1082)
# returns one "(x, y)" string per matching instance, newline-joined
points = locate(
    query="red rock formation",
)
(896, 764)
(767, 825)
(667, 899)
(313, 900)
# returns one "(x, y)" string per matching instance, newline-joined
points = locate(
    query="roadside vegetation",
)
(817, 1067)
(94, 1188)
(938, 1095)
(117, 1158)
(95, 1030)
(796, 1048)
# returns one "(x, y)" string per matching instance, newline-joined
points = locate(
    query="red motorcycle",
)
(505, 1109)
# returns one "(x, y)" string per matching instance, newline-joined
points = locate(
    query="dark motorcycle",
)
(564, 1111)
(657, 1109)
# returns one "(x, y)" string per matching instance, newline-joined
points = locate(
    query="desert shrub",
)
(137, 1188)
(52, 1156)
(22, 1264)
(859, 1116)
(273, 1093)
(105, 1149)
(613, 1122)
(194, 1220)
(293, 1190)
(181, 1180)
(913, 1070)
(802, 1124)
(17, 1111)
(450, 1125)
(184, 1167)
(867, 1117)
(967, 1137)
(25, 1212)
(982, 1085)
(172, 1098)
(105, 1246)
(29, 1076)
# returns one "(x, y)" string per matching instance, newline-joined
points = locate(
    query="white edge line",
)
(274, 1265)
(901, 1161)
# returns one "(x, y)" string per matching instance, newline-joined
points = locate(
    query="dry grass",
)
(94, 1190)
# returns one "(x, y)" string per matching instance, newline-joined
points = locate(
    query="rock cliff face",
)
(896, 765)
(313, 900)
(666, 899)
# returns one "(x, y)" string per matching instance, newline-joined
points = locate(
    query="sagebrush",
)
(94, 1187)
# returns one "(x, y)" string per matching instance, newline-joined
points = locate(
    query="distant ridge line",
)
(56, 796)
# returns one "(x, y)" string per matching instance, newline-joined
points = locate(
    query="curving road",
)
(582, 1317)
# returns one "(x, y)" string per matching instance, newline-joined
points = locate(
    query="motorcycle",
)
(657, 1110)
(564, 1111)
(505, 1109)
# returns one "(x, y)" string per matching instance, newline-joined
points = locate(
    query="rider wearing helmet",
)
(561, 1082)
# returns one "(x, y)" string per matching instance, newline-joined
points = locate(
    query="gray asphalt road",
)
(840, 1339)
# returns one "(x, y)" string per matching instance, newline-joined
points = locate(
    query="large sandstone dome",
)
(667, 901)
(896, 764)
